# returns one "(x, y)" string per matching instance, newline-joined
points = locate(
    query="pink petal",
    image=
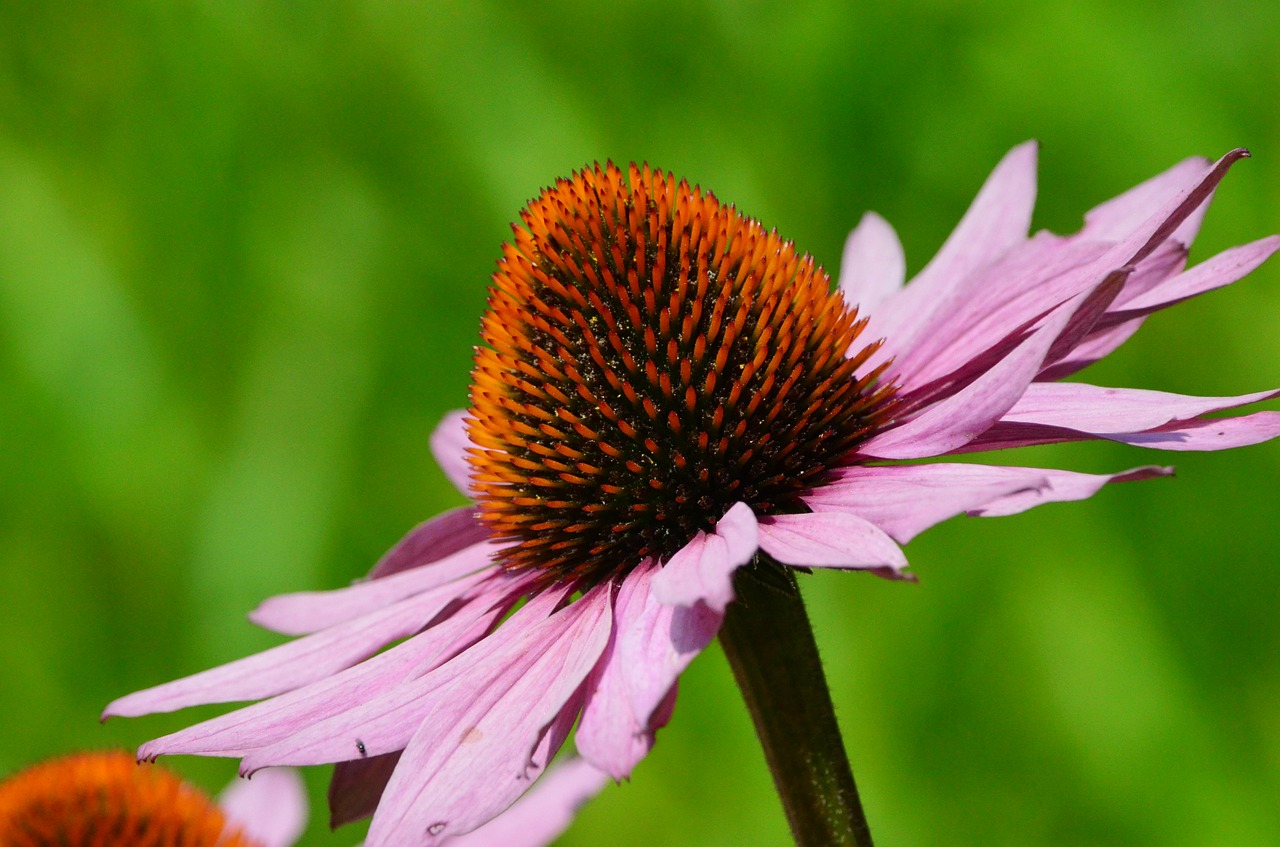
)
(1127, 259)
(1166, 262)
(449, 444)
(1086, 316)
(539, 817)
(380, 724)
(293, 664)
(996, 221)
(1097, 410)
(702, 570)
(958, 419)
(445, 534)
(873, 267)
(270, 809)
(1129, 256)
(1096, 346)
(631, 692)
(905, 500)
(829, 540)
(1221, 270)
(1062, 486)
(1044, 273)
(999, 300)
(311, 611)
(549, 739)
(1176, 211)
(1116, 218)
(242, 731)
(1016, 291)
(1208, 433)
(1197, 434)
(609, 735)
(656, 642)
(471, 759)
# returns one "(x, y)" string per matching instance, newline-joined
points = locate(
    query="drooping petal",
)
(1062, 486)
(829, 540)
(1065, 412)
(270, 809)
(1193, 434)
(539, 817)
(449, 443)
(311, 611)
(905, 500)
(293, 664)
(702, 570)
(632, 690)
(609, 735)
(552, 736)
(471, 759)
(873, 267)
(656, 642)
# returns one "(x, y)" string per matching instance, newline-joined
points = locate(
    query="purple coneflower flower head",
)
(110, 800)
(670, 393)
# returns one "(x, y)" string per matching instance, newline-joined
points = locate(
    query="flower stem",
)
(769, 643)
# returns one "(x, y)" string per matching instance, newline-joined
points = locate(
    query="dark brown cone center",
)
(654, 357)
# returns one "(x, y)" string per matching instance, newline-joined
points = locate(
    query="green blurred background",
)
(243, 254)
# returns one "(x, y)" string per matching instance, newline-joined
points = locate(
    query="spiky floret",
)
(654, 357)
(108, 800)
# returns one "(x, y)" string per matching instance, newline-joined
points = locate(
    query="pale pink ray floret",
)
(490, 670)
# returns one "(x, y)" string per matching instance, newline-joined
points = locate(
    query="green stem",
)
(769, 643)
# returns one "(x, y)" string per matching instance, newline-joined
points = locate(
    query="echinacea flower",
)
(668, 393)
(107, 799)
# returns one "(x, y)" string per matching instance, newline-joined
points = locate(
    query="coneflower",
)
(674, 409)
(107, 799)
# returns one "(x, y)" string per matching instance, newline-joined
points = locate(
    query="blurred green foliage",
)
(243, 253)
